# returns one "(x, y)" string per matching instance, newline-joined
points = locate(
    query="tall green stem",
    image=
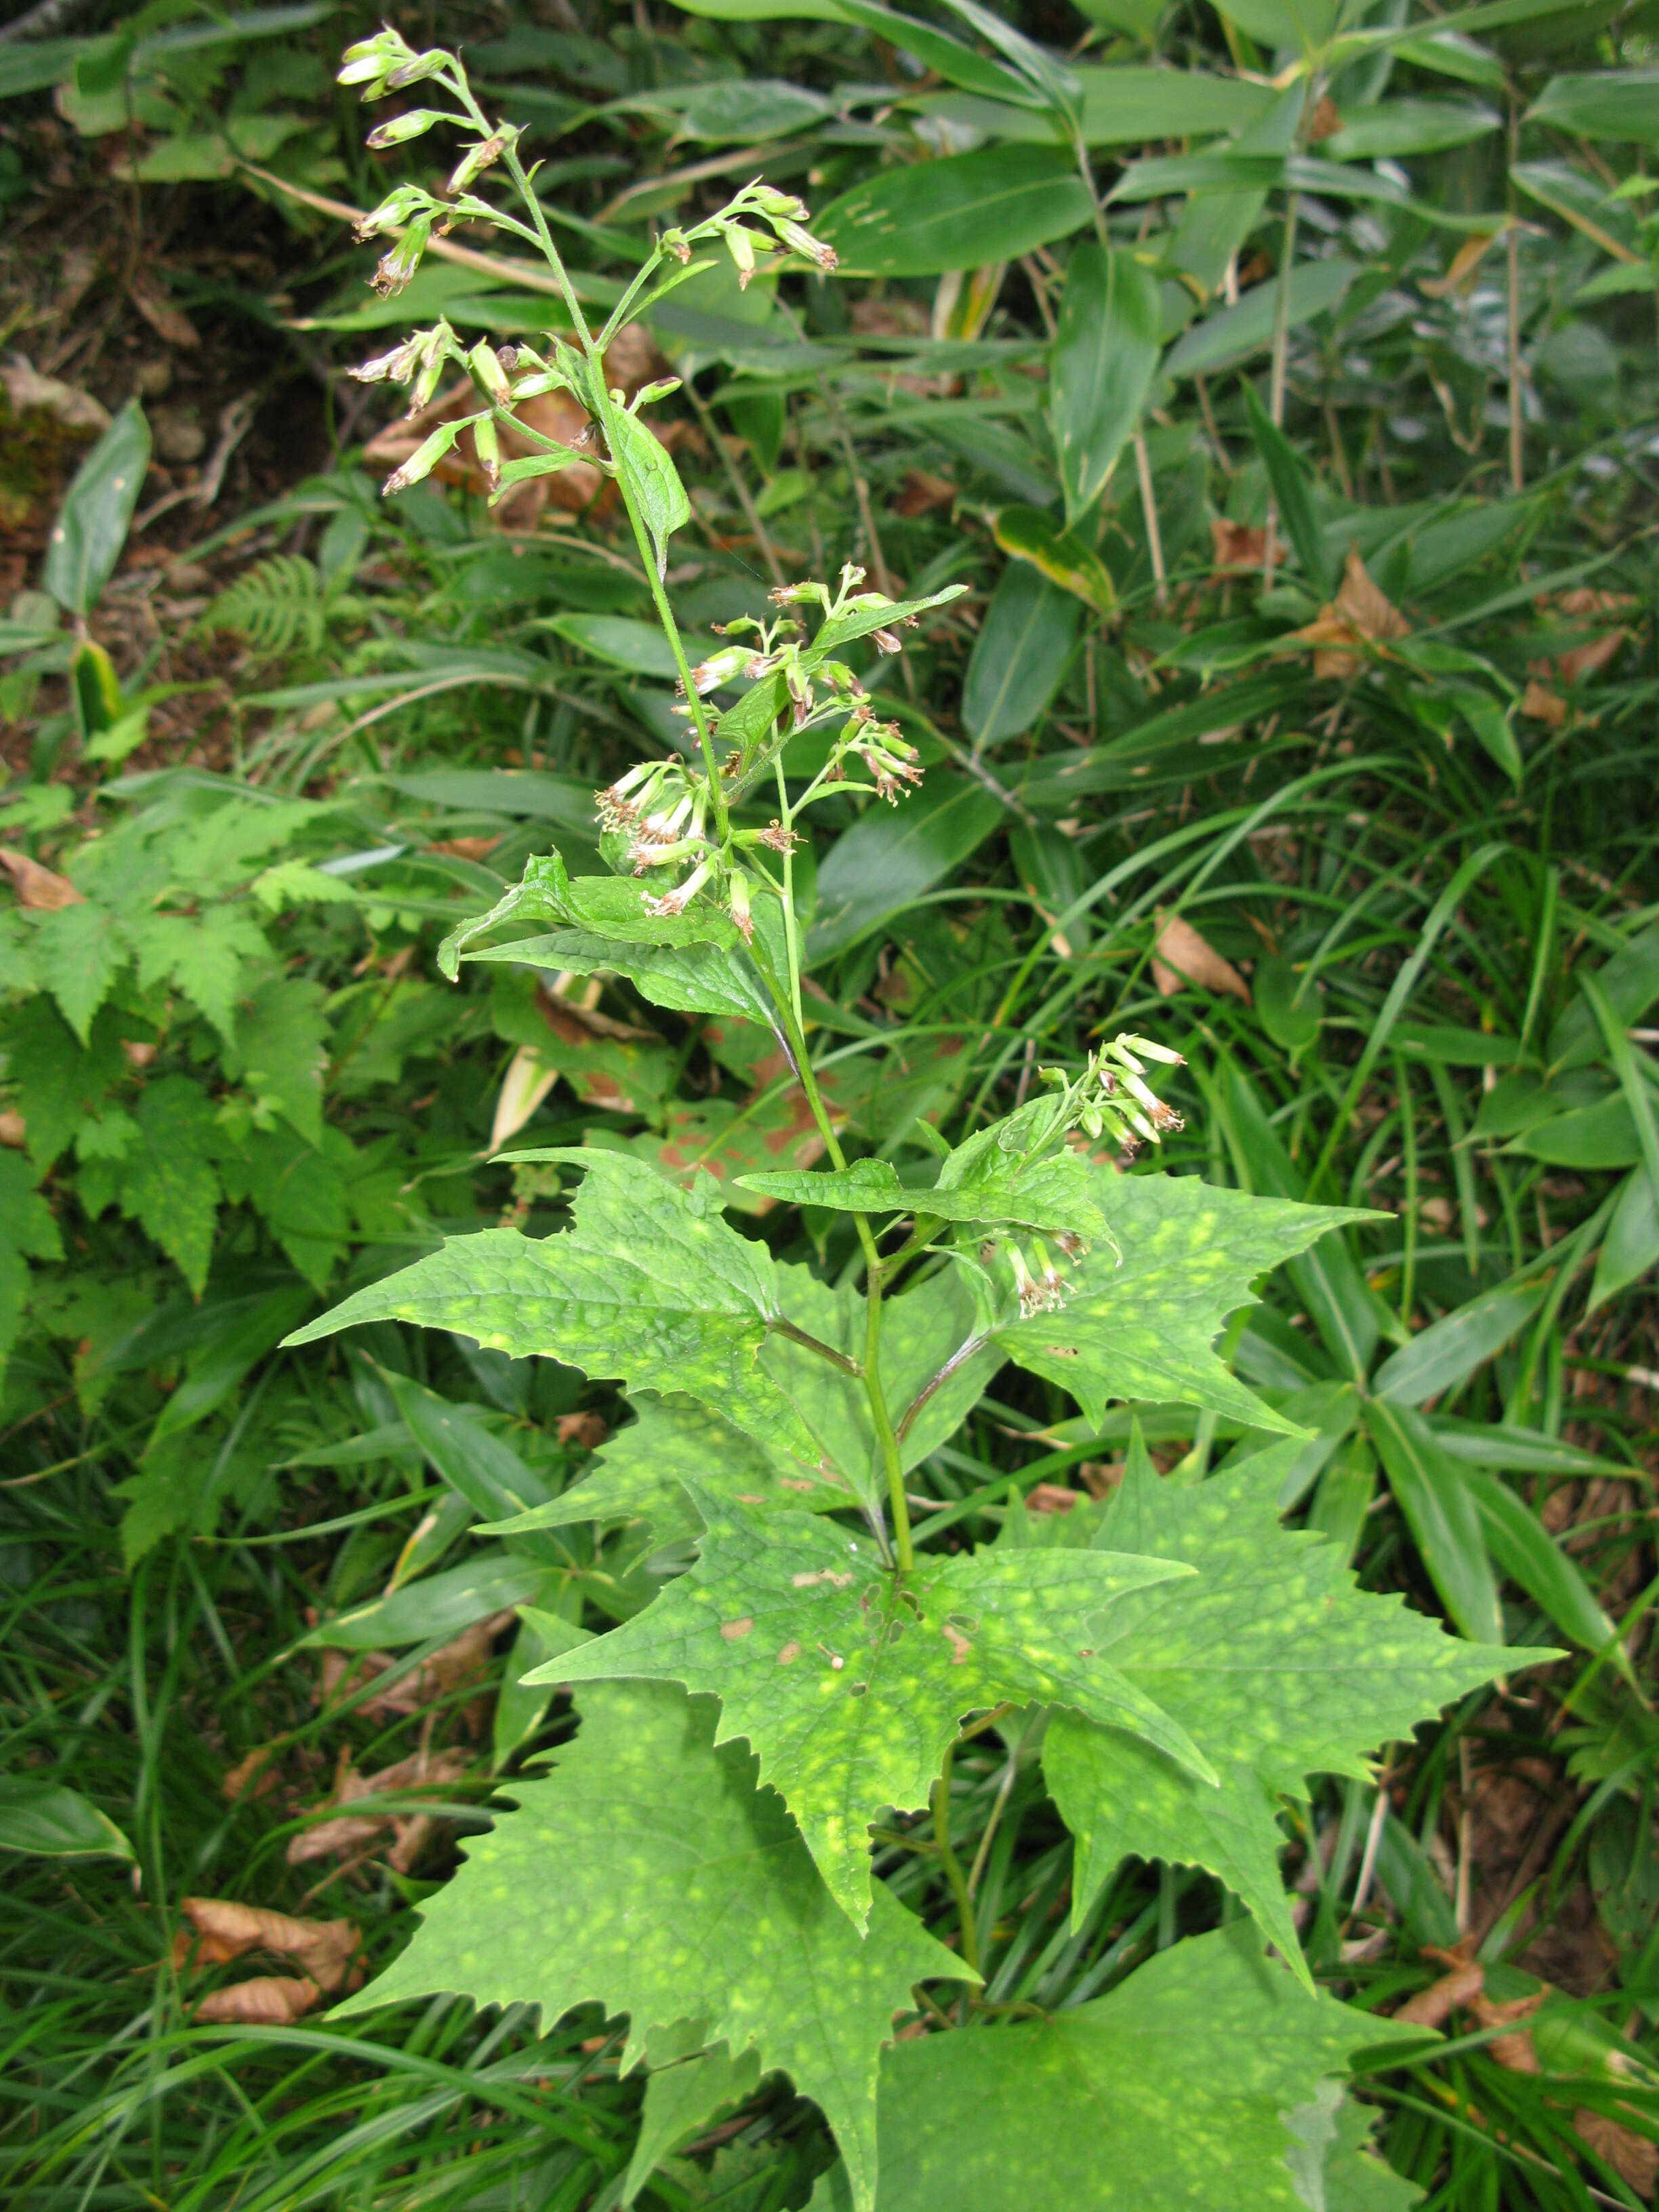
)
(607, 408)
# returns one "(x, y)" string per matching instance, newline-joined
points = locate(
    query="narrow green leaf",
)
(958, 213)
(50, 1821)
(1429, 1489)
(1603, 104)
(1026, 533)
(1104, 357)
(1020, 655)
(1448, 1351)
(1292, 491)
(652, 481)
(891, 856)
(91, 528)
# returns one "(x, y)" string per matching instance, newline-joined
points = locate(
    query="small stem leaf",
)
(1167, 2094)
(682, 1893)
(1277, 1664)
(648, 1285)
(650, 478)
(1143, 1326)
(850, 1680)
(693, 962)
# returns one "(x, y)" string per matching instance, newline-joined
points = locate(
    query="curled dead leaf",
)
(1359, 616)
(587, 1431)
(1326, 120)
(1433, 2007)
(13, 1131)
(1050, 1497)
(450, 1667)
(221, 1929)
(1543, 705)
(1634, 2157)
(351, 1831)
(36, 886)
(1240, 549)
(170, 323)
(263, 2000)
(1180, 956)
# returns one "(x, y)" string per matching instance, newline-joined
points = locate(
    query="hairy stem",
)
(884, 1426)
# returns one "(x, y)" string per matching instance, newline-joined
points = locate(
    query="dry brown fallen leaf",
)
(349, 1832)
(1359, 615)
(450, 1667)
(170, 323)
(37, 886)
(1543, 705)
(1463, 1989)
(1180, 956)
(223, 1930)
(1239, 547)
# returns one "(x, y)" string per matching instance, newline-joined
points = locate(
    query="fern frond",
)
(275, 606)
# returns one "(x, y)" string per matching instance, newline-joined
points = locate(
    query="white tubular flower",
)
(677, 901)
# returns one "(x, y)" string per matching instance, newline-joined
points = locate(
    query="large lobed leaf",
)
(1274, 1661)
(1143, 1309)
(651, 1874)
(649, 1284)
(1175, 2094)
(849, 1679)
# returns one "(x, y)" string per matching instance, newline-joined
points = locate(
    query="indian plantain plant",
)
(708, 1857)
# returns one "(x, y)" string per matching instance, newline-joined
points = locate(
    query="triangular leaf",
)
(1274, 1661)
(1141, 1325)
(849, 1679)
(649, 1284)
(680, 1892)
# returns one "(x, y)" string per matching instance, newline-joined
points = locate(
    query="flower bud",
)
(421, 462)
(720, 668)
(415, 124)
(417, 69)
(487, 373)
(401, 205)
(486, 443)
(371, 61)
(802, 241)
(741, 245)
(477, 159)
(396, 267)
(771, 202)
(676, 242)
(399, 365)
(740, 913)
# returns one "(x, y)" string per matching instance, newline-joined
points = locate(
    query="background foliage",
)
(1353, 807)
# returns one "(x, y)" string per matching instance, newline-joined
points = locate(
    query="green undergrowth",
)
(1363, 833)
